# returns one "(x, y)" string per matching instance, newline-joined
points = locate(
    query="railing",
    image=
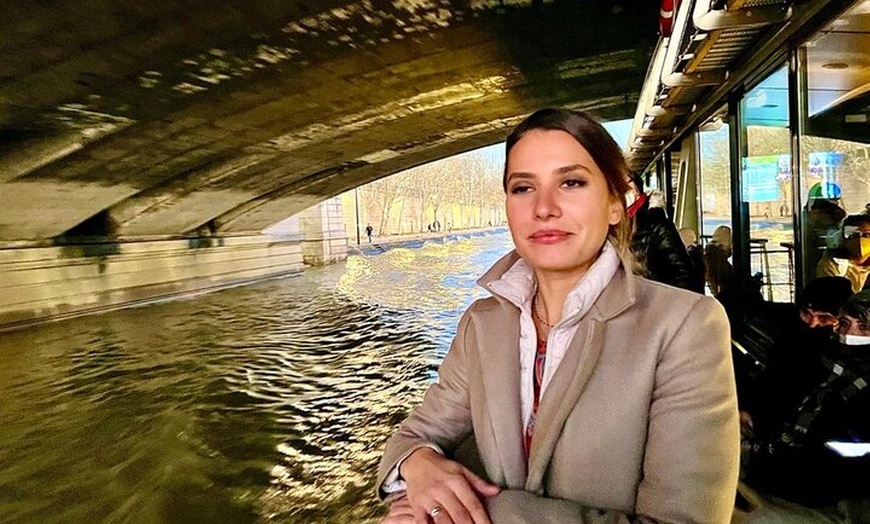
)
(758, 250)
(776, 266)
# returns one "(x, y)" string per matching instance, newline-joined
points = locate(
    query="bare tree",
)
(383, 194)
(471, 181)
(428, 182)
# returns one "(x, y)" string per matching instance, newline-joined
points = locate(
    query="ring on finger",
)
(434, 512)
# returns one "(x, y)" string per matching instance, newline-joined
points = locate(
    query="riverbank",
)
(379, 245)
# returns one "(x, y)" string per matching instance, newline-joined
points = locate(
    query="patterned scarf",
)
(846, 378)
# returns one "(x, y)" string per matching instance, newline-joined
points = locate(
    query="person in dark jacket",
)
(656, 242)
(802, 333)
(800, 471)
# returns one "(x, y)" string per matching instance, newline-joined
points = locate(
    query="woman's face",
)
(558, 205)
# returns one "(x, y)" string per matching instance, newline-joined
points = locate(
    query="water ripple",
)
(267, 403)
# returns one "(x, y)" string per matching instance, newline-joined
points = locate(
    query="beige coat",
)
(639, 423)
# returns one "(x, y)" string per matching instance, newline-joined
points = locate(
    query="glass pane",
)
(715, 165)
(766, 179)
(715, 175)
(835, 157)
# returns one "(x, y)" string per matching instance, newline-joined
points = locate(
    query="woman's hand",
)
(443, 490)
(746, 424)
(400, 512)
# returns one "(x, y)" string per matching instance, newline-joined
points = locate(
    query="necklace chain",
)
(535, 312)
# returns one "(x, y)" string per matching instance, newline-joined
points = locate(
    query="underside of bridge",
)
(161, 120)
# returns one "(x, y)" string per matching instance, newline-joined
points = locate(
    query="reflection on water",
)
(268, 403)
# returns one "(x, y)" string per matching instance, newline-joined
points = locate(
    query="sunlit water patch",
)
(267, 403)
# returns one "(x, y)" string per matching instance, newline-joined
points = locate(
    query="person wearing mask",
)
(822, 215)
(802, 335)
(814, 467)
(821, 301)
(656, 243)
(574, 416)
(852, 257)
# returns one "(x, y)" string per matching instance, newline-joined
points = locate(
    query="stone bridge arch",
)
(127, 124)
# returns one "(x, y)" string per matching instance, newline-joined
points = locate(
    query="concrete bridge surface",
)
(144, 146)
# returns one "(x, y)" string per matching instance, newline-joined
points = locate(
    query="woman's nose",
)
(546, 204)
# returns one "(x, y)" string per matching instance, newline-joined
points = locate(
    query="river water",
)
(264, 403)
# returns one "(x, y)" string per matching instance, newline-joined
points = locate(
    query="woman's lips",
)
(549, 236)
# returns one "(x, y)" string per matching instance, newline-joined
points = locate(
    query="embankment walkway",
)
(381, 244)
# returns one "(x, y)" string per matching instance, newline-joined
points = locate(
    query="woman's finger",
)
(420, 516)
(479, 485)
(400, 513)
(465, 505)
(453, 512)
(401, 508)
(400, 519)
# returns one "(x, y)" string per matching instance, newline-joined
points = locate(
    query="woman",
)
(592, 395)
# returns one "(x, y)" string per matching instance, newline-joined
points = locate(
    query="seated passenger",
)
(850, 256)
(723, 282)
(592, 395)
(821, 301)
(802, 333)
(655, 243)
(719, 272)
(696, 259)
(793, 474)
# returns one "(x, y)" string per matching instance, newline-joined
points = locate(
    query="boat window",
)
(715, 166)
(767, 187)
(835, 157)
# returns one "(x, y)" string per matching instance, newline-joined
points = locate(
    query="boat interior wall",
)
(838, 73)
(709, 40)
(686, 209)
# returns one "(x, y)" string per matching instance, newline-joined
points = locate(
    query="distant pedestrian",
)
(369, 230)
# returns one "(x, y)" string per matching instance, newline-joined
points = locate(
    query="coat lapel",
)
(498, 345)
(561, 396)
(498, 342)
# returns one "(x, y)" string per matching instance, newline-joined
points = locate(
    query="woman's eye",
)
(574, 182)
(518, 190)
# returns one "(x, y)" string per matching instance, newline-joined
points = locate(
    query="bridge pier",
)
(325, 236)
(56, 282)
